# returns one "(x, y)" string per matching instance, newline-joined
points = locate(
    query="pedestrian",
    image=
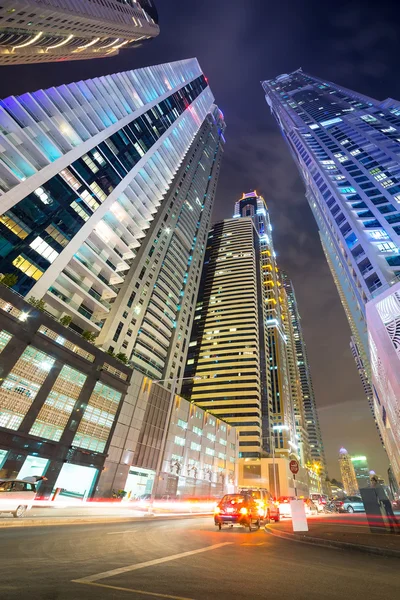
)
(384, 502)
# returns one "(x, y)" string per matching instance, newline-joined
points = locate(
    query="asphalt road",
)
(183, 559)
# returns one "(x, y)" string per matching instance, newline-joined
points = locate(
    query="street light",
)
(166, 429)
(272, 438)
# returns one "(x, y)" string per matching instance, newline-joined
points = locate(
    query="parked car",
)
(268, 509)
(350, 504)
(319, 500)
(16, 496)
(285, 509)
(237, 509)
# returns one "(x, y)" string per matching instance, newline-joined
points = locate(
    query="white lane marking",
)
(149, 563)
(142, 592)
(120, 532)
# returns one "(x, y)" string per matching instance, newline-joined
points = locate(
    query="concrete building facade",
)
(39, 31)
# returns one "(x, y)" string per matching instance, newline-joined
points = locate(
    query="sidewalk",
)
(340, 533)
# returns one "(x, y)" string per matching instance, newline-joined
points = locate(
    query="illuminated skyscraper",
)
(239, 340)
(227, 345)
(348, 473)
(38, 31)
(107, 188)
(307, 414)
(346, 146)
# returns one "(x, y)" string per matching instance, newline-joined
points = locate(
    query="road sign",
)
(294, 466)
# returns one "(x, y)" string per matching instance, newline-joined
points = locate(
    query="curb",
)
(50, 522)
(296, 537)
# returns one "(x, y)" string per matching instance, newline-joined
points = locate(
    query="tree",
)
(111, 353)
(40, 304)
(89, 336)
(122, 357)
(9, 279)
(66, 320)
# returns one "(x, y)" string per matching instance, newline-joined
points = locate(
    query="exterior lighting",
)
(68, 39)
(89, 44)
(31, 41)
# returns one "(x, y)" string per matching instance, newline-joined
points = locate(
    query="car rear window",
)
(256, 494)
(232, 500)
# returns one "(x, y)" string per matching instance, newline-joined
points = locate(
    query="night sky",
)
(239, 43)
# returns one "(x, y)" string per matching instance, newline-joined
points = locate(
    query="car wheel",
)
(219, 526)
(20, 512)
(350, 509)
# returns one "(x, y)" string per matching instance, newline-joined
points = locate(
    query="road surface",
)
(183, 559)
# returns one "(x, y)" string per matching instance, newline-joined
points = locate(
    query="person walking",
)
(384, 502)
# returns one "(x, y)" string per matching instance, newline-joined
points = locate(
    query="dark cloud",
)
(239, 43)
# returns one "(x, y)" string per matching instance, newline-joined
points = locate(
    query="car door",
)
(358, 503)
(5, 496)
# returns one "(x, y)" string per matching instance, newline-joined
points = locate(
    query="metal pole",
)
(273, 463)
(164, 439)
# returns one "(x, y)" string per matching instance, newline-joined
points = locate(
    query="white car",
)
(16, 496)
(286, 511)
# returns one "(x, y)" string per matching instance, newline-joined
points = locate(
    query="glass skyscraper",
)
(347, 148)
(107, 187)
(39, 31)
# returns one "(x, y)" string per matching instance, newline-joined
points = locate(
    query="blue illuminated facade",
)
(85, 168)
(346, 147)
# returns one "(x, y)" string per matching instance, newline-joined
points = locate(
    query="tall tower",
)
(227, 348)
(107, 188)
(37, 31)
(312, 444)
(346, 146)
(241, 310)
(283, 386)
(348, 473)
(152, 316)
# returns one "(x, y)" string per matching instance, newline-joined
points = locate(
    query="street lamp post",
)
(166, 428)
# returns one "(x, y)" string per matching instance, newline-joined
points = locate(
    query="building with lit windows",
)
(312, 444)
(280, 364)
(346, 146)
(200, 453)
(39, 31)
(348, 474)
(238, 351)
(92, 425)
(60, 400)
(227, 346)
(106, 202)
